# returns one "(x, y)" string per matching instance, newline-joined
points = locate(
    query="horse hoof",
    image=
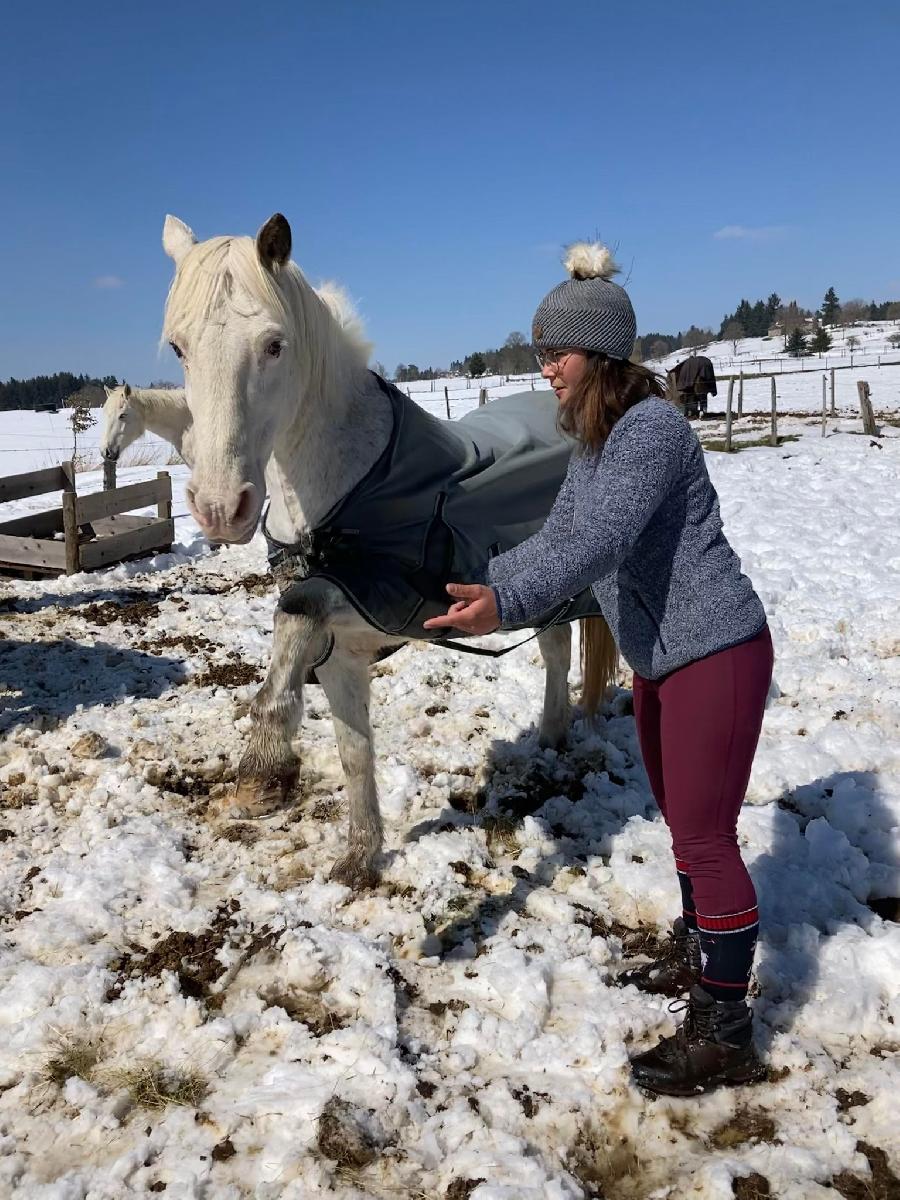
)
(355, 873)
(257, 797)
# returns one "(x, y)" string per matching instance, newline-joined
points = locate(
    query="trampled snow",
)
(461, 1022)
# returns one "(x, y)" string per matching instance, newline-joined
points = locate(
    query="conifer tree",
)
(831, 307)
(796, 343)
(821, 340)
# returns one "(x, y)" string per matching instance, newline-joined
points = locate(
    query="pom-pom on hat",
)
(587, 311)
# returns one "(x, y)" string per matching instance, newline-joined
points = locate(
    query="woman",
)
(637, 520)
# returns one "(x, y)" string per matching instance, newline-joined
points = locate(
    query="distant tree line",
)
(47, 390)
(804, 331)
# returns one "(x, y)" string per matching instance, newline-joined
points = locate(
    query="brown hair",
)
(609, 388)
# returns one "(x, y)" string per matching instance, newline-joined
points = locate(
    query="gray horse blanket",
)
(443, 497)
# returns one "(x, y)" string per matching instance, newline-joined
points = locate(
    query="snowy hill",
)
(761, 354)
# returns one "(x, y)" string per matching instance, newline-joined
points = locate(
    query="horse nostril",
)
(245, 505)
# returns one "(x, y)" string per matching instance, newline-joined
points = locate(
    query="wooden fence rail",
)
(95, 530)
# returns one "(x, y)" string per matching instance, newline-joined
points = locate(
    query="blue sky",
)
(434, 158)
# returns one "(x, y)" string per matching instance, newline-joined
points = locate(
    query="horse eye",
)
(176, 351)
(274, 348)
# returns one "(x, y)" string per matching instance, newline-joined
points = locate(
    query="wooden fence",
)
(87, 532)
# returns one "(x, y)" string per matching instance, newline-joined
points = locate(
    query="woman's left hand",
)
(474, 610)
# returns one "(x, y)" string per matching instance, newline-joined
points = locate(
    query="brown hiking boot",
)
(678, 968)
(712, 1047)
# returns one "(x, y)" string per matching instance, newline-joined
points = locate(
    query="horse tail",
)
(599, 660)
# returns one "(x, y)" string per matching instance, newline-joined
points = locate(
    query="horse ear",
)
(273, 242)
(126, 390)
(177, 238)
(108, 391)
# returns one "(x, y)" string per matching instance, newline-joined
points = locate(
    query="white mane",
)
(329, 326)
(344, 312)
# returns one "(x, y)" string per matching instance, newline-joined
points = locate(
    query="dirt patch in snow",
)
(883, 1184)
(193, 643)
(747, 1125)
(235, 673)
(194, 958)
(108, 612)
(751, 1187)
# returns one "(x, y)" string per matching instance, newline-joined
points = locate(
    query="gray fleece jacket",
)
(639, 524)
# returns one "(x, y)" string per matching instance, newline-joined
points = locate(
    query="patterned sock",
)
(727, 944)
(687, 894)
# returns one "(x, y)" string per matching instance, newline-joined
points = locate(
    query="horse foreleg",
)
(556, 650)
(345, 678)
(269, 767)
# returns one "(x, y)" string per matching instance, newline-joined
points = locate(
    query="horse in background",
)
(283, 403)
(130, 412)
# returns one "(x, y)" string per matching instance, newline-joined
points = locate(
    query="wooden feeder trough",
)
(88, 532)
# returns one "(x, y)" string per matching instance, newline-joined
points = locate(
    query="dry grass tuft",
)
(342, 1137)
(151, 1084)
(749, 444)
(751, 1187)
(608, 1166)
(500, 831)
(77, 1057)
(147, 454)
(745, 1126)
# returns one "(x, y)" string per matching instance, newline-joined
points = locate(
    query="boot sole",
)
(755, 1074)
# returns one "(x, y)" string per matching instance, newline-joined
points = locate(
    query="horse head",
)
(123, 423)
(257, 345)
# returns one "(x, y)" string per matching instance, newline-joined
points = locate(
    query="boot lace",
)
(698, 1025)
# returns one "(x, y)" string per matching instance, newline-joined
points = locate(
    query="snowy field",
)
(193, 1009)
(863, 344)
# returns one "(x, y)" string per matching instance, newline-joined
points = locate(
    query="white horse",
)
(129, 412)
(282, 402)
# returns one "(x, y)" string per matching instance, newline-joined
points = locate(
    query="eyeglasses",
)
(550, 358)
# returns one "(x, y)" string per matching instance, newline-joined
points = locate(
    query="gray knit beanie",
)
(588, 311)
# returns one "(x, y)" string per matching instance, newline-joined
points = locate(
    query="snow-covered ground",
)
(458, 1031)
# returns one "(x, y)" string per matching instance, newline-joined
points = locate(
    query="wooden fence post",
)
(740, 411)
(70, 531)
(728, 416)
(824, 403)
(447, 400)
(482, 396)
(164, 502)
(109, 474)
(865, 407)
(773, 436)
(833, 409)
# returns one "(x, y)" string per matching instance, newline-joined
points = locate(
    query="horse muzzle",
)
(228, 518)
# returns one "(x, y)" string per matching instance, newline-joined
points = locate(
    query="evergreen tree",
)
(796, 343)
(821, 340)
(772, 306)
(831, 307)
(475, 364)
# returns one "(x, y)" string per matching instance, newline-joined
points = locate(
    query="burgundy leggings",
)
(698, 729)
